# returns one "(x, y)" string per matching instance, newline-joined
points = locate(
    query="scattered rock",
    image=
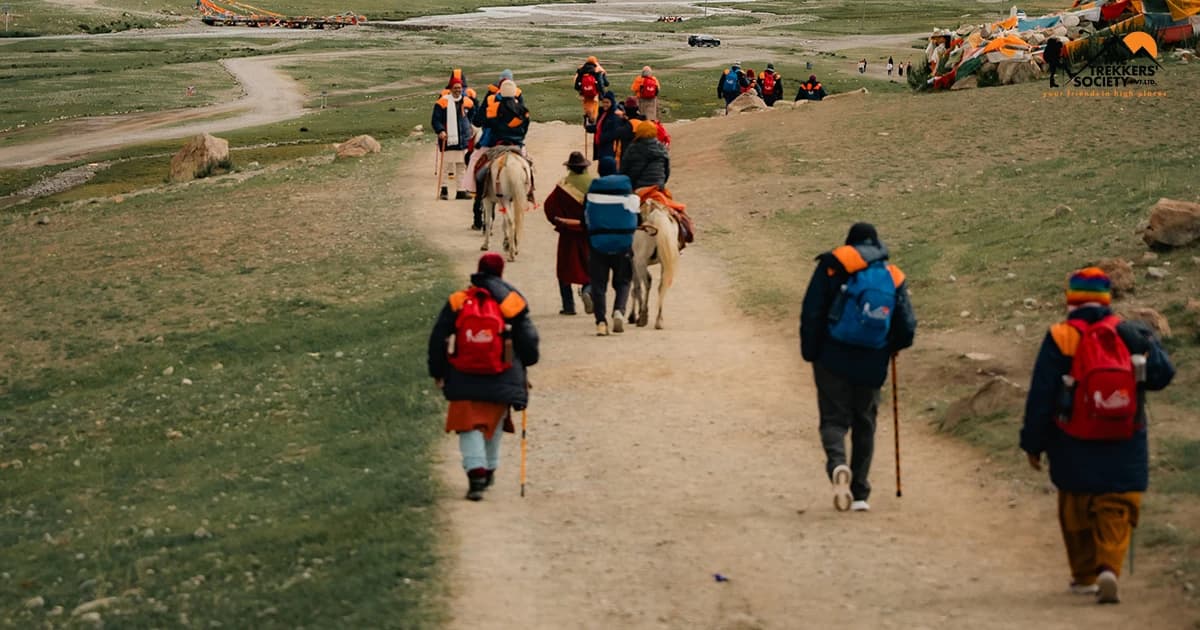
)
(94, 605)
(186, 381)
(997, 396)
(358, 146)
(92, 618)
(173, 434)
(1192, 306)
(1020, 328)
(201, 533)
(43, 220)
(1157, 321)
(35, 602)
(978, 356)
(1120, 272)
(1031, 303)
(199, 157)
(419, 128)
(1173, 223)
(169, 370)
(1158, 273)
(845, 94)
(965, 314)
(1061, 210)
(1149, 256)
(953, 278)
(1012, 72)
(57, 611)
(748, 102)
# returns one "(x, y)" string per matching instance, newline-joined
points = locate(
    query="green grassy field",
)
(220, 445)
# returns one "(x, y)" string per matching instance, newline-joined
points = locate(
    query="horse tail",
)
(667, 240)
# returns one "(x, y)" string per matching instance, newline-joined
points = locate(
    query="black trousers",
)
(846, 407)
(600, 266)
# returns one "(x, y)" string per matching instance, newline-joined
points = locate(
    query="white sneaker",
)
(602, 329)
(1084, 589)
(618, 322)
(1107, 583)
(860, 506)
(841, 488)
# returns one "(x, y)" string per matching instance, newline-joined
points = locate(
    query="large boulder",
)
(1173, 223)
(1120, 272)
(199, 157)
(748, 102)
(357, 146)
(1012, 72)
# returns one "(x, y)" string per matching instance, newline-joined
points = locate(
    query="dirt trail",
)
(658, 458)
(268, 96)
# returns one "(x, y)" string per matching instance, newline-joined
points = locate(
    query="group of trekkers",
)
(767, 85)
(501, 115)
(1086, 406)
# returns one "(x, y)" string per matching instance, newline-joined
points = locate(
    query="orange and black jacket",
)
(506, 118)
(859, 366)
(508, 387)
(1090, 466)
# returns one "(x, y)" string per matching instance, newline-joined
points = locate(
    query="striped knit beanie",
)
(1089, 285)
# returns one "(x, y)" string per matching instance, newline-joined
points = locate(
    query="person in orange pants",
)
(1100, 476)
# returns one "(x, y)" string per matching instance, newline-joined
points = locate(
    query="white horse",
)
(655, 243)
(506, 187)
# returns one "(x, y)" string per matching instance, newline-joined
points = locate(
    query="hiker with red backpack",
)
(645, 88)
(1086, 410)
(770, 84)
(479, 350)
(856, 316)
(591, 81)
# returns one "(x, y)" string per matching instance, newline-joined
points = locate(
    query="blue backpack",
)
(730, 84)
(610, 212)
(861, 315)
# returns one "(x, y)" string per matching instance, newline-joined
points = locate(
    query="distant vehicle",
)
(703, 40)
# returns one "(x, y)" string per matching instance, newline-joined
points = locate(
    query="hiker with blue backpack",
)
(610, 212)
(856, 316)
(732, 83)
(1086, 410)
(479, 349)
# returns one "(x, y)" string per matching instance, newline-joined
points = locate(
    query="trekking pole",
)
(524, 426)
(896, 424)
(441, 153)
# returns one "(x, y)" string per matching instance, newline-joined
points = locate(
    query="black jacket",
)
(1090, 466)
(646, 162)
(860, 366)
(509, 387)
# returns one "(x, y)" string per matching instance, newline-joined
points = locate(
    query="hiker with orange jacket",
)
(770, 85)
(1086, 410)
(479, 350)
(645, 88)
(810, 90)
(591, 82)
(856, 315)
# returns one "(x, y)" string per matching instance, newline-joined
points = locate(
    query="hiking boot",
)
(566, 312)
(586, 296)
(618, 322)
(445, 194)
(462, 194)
(1107, 588)
(1084, 589)
(860, 506)
(602, 329)
(841, 488)
(489, 479)
(476, 484)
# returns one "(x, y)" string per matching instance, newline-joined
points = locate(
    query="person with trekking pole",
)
(1086, 410)
(451, 121)
(479, 350)
(856, 316)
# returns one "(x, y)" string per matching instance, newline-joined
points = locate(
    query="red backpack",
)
(768, 82)
(649, 88)
(1104, 404)
(587, 86)
(478, 343)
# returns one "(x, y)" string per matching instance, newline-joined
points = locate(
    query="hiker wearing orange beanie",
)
(1086, 410)
(646, 161)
